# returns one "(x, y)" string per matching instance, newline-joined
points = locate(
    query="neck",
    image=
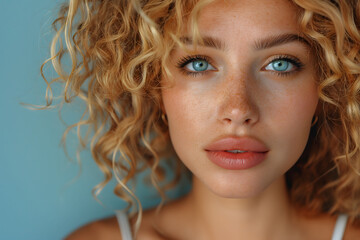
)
(267, 216)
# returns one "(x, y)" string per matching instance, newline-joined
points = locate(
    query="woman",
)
(258, 99)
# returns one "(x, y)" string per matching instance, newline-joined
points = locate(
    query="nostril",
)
(227, 120)
(240, 114)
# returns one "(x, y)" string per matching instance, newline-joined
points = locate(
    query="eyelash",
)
(188, 59)
(293, 60)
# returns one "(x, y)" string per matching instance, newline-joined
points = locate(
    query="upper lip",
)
(245, 143)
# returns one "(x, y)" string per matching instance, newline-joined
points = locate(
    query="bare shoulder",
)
(109, 229)
(100, 229)
(148, 229)
(153, 226)
(352, 232)
(162, 225)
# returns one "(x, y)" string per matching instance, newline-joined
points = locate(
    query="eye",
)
(280, 65)
(284, 65)
(195, 65)
(199, 65)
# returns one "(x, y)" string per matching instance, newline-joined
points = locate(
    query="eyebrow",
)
(267, 42)
(277, 40)
(207, 42)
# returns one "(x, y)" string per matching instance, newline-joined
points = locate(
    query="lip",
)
(254, 153)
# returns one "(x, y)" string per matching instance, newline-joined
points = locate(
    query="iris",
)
(280, 65)
(200, 65)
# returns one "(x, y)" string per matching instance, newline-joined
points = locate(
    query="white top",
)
(339, 228)
(124, 225)
(125, 229)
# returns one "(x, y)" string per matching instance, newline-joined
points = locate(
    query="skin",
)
(241, 98)
(239, 95)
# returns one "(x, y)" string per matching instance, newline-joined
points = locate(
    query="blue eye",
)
(284, 65)
(195, 65)
(280, 65)
(199, 65)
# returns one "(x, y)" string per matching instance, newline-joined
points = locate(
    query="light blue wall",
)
(40, 197)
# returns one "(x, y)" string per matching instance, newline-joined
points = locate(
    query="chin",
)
(234, 189)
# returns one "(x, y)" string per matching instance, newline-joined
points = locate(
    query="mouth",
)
(237, 153)
(239, 160)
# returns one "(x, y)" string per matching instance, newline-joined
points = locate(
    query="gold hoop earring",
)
(314, 121)
(164, 118)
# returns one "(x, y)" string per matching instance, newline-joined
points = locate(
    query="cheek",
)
(187, 105)
(296, 109)
(183, 113)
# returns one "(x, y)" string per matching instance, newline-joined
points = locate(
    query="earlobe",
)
(163, 113)
(162, 107)
(314, 121)
(317, 113)
(164, 118)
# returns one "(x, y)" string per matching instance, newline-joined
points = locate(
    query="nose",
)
(238, 103)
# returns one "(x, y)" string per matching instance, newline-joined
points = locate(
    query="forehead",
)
(247, 18)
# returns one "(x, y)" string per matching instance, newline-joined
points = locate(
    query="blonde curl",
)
(118, 52)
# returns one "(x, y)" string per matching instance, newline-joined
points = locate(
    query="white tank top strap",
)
(125, 229)
(340, 226)
(124, 225)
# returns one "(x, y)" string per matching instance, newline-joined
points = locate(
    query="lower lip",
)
(236, 161)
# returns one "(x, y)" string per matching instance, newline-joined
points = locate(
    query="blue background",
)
(42, 194)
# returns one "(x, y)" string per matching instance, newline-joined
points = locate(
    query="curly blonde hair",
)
(119, 50)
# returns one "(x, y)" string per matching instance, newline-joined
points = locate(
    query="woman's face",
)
(241, 105)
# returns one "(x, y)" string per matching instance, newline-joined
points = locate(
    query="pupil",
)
(281, 65)
(200, 65)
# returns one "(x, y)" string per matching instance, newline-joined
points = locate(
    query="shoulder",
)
(100, 229)
(352, 231)
(109, 229)
(322, 226)
(153, 226)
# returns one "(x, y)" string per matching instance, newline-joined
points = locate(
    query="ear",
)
(319, 111)
(162, 106)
